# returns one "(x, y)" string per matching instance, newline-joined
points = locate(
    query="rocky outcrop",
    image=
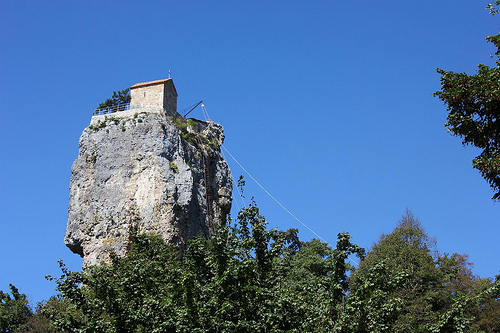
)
(145, 171)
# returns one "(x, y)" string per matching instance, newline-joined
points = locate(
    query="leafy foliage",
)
(467, 313)
(245, 278)
(492, 7)
(400, 275)
(473, 102)
(404, 286)
(14, 311)
(39, 322)
(486, 307)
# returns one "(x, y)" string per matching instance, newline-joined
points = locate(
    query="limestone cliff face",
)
(145, 171)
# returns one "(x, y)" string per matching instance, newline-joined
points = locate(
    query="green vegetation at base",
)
(243, 279)
(246, 278)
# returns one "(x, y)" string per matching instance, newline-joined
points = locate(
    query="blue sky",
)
(328, 104)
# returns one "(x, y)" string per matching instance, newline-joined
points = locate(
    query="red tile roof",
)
(137, 85)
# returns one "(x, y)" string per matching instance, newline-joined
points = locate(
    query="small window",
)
(144, 94)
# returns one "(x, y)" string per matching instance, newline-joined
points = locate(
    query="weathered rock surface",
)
(149, 172)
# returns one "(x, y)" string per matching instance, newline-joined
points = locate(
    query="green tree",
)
(119, 97)
(399, 281)
(244, 278)
(39, 321)
(475, 312)
(404, 285)
(374, 304)
(473, 103)
(486, 310)
(14, 311)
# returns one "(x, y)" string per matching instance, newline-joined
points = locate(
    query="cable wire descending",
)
(279, 203)
(269, 194)
(232, 177)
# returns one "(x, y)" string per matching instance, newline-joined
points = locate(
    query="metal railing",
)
(112, 109)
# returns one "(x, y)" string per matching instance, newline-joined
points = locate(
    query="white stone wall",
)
(121, 115)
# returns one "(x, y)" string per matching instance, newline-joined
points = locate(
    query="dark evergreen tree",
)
(403, 274)
(119, 99)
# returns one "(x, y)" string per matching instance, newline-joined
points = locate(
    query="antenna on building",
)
(169, 74)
